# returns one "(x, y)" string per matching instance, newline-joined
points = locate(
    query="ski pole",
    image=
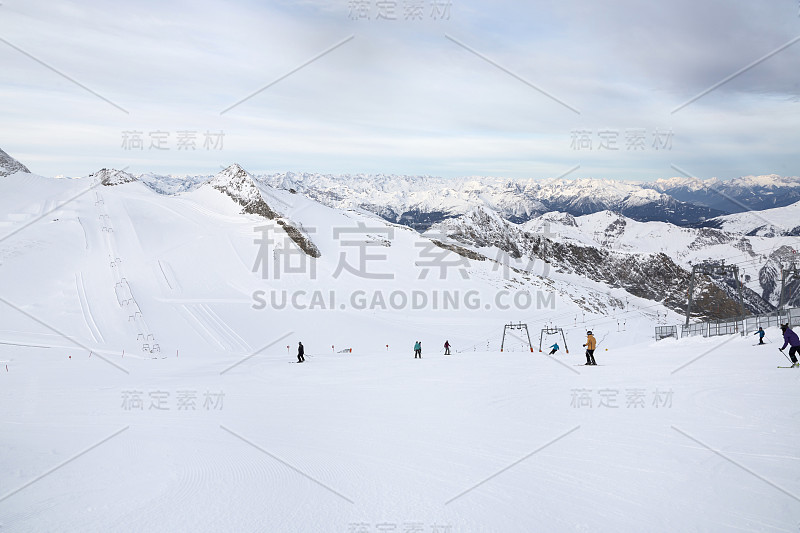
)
(784, 354)
(601, 340)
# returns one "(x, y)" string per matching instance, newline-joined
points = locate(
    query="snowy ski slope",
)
(214, 431)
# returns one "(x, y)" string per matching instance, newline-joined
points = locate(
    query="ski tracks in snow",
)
(215, 330)
(86, 310)
(170, 279)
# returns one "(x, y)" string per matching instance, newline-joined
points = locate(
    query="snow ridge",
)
(240, 186)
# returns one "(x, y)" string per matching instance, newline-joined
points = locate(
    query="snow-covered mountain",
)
(603, 247)
(769, 275)
(416, 201)
(167, 184)
(477, 218)
(242, 188)
(765, 223)
(9, 165)
(110, 177)
(733, 196)
(752, 253)
(128, 267)
(420, 201)
(479, 215)
(586, 196)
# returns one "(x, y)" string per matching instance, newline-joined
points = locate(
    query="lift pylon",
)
(552, 330)
(512, 327)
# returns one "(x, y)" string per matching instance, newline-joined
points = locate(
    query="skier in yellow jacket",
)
(591, 344)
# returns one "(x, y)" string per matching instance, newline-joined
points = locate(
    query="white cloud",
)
(400, 97)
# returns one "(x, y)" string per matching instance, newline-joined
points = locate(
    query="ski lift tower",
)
(787, 275)
(714, 269)
(512, 327)
(547, 330)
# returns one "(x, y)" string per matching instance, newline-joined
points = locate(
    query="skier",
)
(790, 337)
(300, 352)
(760, 334)
(554, 349)
(418, 350)
(591, 344)
(447, 347)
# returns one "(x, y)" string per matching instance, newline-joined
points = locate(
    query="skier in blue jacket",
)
(554, 349)
(760, 334)
(790, 338)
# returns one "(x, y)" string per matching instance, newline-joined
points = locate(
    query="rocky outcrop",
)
(9, 165)
(110, 177)
(241, 187)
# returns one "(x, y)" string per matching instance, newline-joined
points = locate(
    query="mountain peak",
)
(542, 223)
(767, 181)
(237, 183)
(111, 176)
(243, 189)
(9, 165)
(234, 176)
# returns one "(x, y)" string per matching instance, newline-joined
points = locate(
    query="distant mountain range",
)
(421, 201)
(734, 196)
(599, 234)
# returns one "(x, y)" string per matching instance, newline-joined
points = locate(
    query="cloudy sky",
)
(437, 87)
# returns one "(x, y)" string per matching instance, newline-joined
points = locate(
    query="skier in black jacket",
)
(300, 352)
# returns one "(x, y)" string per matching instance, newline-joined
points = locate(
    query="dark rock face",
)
(236, 183)
(110, 177)
(9, 165)
(654, 276)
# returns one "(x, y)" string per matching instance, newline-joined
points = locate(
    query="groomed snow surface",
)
(478, 441)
